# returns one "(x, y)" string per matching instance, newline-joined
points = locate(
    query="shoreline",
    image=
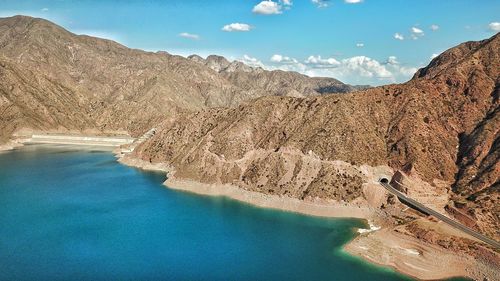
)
(411, 257)
(10, 145)
(70, 139)
(319, 208)
(398, 253)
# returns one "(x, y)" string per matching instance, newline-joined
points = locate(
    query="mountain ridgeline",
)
(277, 82)
(54, 79)
(442, 126)
(273, 132)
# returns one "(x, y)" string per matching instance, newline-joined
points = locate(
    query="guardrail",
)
(426, 210)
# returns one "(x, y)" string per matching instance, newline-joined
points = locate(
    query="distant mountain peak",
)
(196, 58)
(22, 23)
(466, 53)
(217, 63)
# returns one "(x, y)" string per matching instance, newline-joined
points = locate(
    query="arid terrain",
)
(441, 129)
(441, 126)
(228, 129)
(53, 79)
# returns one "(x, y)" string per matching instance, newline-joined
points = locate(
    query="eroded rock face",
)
(53, 79)
(442, 126)
(294, 147)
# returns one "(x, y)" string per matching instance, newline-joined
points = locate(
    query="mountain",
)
(277, 82)
(275, 132)
(54, 79)
(441, 127)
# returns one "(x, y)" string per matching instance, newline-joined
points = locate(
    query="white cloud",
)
(236, 27)
(320, 3)
(399, 36)
(416, 33)
(276, 58)
(353, 1)
(45, 9)
(434, 56)
(494, 26)
(297, 67)
(390, 71)
(365, 67)
(416, 30)
(400, 71)
(267, 7)
(360, 45)
(251, 61)
(287, 2)
(353, 70)
(407, 71)
(318, 62)
(392, 60)
(282, 59)
(434, 27)
(189, 36)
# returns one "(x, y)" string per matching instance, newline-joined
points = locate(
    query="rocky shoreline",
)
(322, 208)
(273, 140)
(382, 246)
(10, 145)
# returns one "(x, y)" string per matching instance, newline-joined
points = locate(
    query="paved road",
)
(416, 205)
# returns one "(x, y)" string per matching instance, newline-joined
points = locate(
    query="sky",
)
(371, 42)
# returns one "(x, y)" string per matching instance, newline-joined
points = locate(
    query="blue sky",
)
(356, 41)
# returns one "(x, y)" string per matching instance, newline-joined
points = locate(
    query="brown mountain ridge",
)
(442, 127)
(273, 133)
(54, 79)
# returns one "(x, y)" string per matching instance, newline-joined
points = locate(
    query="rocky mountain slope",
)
(273, 132)
(53, 79)
(277, 82)
(441, 127)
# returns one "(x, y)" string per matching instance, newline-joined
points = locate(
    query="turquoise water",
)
(68, 214)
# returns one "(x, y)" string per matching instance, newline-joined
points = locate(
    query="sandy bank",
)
(413, 257)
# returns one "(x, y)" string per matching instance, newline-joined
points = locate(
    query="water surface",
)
(73, 214)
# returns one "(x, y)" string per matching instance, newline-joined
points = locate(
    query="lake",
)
(71, 213)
